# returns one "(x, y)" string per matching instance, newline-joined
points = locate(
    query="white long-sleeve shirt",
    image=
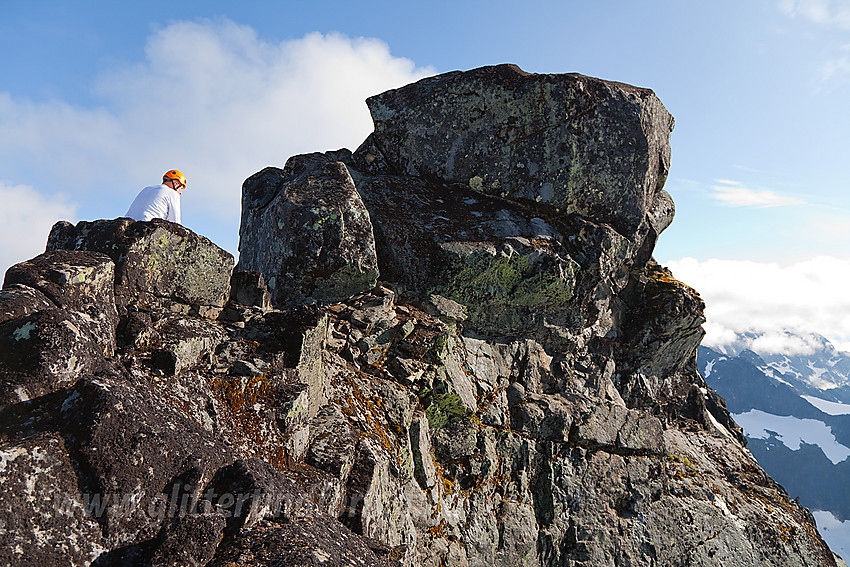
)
(156, 202)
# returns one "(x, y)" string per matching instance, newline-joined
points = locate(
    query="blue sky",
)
(97, 99)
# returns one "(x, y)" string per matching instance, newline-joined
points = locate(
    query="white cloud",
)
(25, 221)
(775, 341)
(809, 296)
(211, 99)
(823, 12)
(733, 193)
(832, 68)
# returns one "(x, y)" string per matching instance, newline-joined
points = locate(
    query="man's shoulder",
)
(152, 188)
(157, 191)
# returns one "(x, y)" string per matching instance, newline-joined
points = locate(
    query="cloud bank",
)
(809, 296)
(210, 98)
(27, 212)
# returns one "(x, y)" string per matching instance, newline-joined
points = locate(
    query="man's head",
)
(175, 180)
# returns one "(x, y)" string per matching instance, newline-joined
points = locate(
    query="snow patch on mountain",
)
(770, 373)
(793, 432)
(784, 366)
(710, 365)
(831, 408)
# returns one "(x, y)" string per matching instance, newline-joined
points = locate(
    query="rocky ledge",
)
(448, 347)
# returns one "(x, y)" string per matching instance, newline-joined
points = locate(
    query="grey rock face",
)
(156, 262)
(305, 229)
(44, 352)
(582, 145)
(82, 282)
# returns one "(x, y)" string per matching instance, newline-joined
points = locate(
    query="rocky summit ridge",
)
(448, 347)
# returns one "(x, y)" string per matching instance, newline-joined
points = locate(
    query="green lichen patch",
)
(503, 291)
(441, 408)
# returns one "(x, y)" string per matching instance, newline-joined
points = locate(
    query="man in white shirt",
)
(159, 201)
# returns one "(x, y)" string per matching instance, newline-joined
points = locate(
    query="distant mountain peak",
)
(810, 361)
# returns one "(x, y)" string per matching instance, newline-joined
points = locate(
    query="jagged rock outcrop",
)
(156, 262)
(61, 321)
(519, 388)
(306, 230)
(581, 145)
(82, 282)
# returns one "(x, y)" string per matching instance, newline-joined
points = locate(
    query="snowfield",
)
(831, 408)
(792, 432)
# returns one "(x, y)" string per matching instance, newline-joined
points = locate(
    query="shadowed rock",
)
(250, 289)
(305, 229)
(44, 352)
(18, 300)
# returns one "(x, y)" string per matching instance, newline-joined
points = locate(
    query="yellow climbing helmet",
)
(174, 174)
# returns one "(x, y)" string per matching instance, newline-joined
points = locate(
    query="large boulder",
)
(515, 272)
(582, 145)
(44, 352)
(82, 282)
(127, 461)
(156, 262)
(306, 230)
(58, 320)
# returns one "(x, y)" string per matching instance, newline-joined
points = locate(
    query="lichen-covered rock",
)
(305, 229)
(43, 519)
(423, 460)
(249, 491)
(186, 341)
(147, 461)
(156, 262)
(44, 352)
(77, 281)
(512, 272)
(315, 541)
(583, 145)
(332, 449)
(18, 300)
